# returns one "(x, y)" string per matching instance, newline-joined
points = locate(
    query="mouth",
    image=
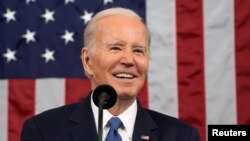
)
(124, 75)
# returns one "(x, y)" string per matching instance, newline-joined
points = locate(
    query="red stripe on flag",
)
(143, 95)
(190, 61)
(242, 44)
(76, 89)
(21, 105)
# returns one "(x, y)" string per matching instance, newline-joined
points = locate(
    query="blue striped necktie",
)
(113, 134)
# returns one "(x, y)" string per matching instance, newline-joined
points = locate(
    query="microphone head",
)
(106, 95)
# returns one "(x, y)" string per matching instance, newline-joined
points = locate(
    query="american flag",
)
(199, 67)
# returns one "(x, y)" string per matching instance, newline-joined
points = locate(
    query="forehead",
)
(121, 26)
(119, 20)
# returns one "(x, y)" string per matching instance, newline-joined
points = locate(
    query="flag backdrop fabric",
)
(199, 68)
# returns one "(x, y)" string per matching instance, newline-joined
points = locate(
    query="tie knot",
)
(115, 123)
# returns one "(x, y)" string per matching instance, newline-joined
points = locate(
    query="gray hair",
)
(88, 35)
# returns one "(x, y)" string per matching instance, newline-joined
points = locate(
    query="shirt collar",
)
(127, 117)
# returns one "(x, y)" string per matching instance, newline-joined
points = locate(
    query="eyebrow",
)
(115, 44)
(120, 44)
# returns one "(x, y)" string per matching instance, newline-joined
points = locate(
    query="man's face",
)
(121, 56)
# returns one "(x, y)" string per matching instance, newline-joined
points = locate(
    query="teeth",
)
(124, 75)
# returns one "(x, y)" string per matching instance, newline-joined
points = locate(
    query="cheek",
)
(143, 66)
(102, 64)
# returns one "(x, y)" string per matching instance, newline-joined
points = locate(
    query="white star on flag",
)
(68, 36)
(10, 55)
(107, 1)
(68, 1)
(87, 16)
(48, 15)
(29, 36)
(28, 1)
(48, 55)
(9, 15)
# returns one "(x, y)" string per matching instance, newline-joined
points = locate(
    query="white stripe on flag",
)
(50, 93)
(3, 110)
(162, 72)
(219, 61)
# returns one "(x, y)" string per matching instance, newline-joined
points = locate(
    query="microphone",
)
(104, 97)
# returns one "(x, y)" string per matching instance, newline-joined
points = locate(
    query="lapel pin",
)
(145, 137)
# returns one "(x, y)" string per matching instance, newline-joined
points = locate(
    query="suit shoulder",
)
(171, 128)
(54, 115)
(170, 121)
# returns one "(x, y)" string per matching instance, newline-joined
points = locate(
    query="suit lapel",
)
(82, 124)
(145, 126)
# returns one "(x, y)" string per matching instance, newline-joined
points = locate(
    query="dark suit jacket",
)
(75, 122)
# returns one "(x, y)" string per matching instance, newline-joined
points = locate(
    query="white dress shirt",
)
(127, 118)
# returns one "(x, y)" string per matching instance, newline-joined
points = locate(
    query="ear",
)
(86, 61)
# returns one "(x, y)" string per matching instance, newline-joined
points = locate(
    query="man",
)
(116, 52)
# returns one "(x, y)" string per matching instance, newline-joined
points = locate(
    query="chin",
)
(126, 94)
(126, 97)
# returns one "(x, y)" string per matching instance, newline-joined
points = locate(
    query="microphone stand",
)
(104, 96)
(100, 122)
(102, 100)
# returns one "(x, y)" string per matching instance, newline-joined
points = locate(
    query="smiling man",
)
(116, 52)
(117, 55)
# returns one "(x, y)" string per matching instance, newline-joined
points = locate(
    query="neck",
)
(121, 105)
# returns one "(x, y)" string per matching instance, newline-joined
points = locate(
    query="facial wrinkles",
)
(127, 37)
(118, 29)
(109, 28)
(130, 38)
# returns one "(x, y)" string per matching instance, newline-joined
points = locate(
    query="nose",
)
(127, 58)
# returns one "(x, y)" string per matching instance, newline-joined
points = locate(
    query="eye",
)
(139, 51)
(115, 48)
